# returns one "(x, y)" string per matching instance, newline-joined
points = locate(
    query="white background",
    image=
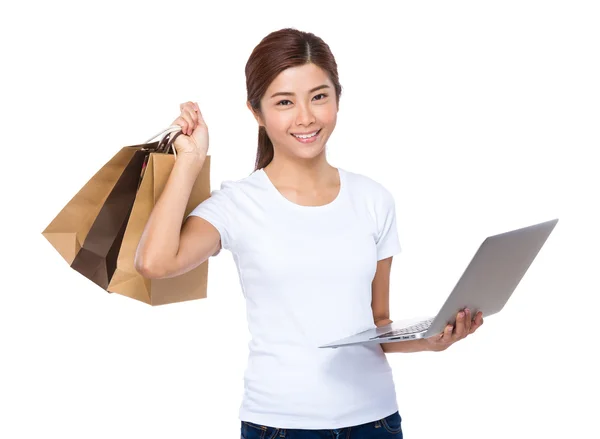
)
(479, 116)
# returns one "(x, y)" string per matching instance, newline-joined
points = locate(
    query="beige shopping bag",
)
(126, 280)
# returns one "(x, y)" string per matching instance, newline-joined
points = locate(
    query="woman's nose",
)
(304, 116)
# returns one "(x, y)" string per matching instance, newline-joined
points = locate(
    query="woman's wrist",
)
(190, 160)
(420, 345)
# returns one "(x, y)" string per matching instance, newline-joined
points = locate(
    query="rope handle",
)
(167, 139)
(171, 129)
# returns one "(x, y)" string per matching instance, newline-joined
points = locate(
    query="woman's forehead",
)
(300, 79)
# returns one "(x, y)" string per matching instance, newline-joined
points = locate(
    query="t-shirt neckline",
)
(283, 199)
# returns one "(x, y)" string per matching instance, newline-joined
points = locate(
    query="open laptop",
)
(486, 285)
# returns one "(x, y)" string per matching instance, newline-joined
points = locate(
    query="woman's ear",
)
(255, 114)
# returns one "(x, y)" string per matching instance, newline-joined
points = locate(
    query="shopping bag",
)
(88, 231)
(97, 258)
(68, 230)
(126, 280)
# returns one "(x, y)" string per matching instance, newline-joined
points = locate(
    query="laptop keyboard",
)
(417, 327)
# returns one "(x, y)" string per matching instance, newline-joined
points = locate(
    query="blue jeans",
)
(386, 428)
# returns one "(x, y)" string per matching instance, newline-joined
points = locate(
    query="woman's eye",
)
(285, 100)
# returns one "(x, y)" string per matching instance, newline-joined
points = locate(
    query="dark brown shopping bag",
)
(126, 280)
(97, 258)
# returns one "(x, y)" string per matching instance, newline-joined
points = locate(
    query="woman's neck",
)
(302, 176)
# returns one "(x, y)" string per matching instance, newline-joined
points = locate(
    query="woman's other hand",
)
(464, 326)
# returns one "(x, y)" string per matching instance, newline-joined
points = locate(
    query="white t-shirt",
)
(306, 274)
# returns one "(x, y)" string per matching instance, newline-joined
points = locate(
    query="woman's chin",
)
(311, 157)
(308, 151)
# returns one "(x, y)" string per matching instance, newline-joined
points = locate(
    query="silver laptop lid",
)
(494, 273)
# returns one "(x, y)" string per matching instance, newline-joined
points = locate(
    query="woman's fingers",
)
(190, 113)
(460, 325)
(468, 321)
(447, 335)
(192, 117)
(189, 105)
(182, 123)
(478, 321)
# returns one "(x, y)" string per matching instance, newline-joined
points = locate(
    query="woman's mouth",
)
(307, 138)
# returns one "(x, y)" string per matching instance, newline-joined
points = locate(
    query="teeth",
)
(308, 136)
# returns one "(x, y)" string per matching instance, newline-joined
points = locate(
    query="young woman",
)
(313, 245)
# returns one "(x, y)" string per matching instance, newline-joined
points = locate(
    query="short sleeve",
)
(219, 210)
(387, 240)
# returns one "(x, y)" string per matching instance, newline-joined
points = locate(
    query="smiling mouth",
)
(307, 136)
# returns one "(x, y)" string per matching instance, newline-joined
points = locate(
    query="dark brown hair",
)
(277, 52)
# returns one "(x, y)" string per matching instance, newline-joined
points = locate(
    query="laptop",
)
(486, 285)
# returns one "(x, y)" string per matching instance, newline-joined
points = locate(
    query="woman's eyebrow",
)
(287, 93)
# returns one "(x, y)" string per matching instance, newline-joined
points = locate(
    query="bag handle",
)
(168, 137)
(171, 142)
(162, 145)
(165, 132)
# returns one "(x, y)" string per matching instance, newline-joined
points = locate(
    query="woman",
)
(313, 245)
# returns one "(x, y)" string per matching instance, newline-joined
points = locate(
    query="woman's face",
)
(300, 101)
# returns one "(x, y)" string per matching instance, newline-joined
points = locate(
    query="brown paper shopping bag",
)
(88, 231)
(126, 280)
(70, 227)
